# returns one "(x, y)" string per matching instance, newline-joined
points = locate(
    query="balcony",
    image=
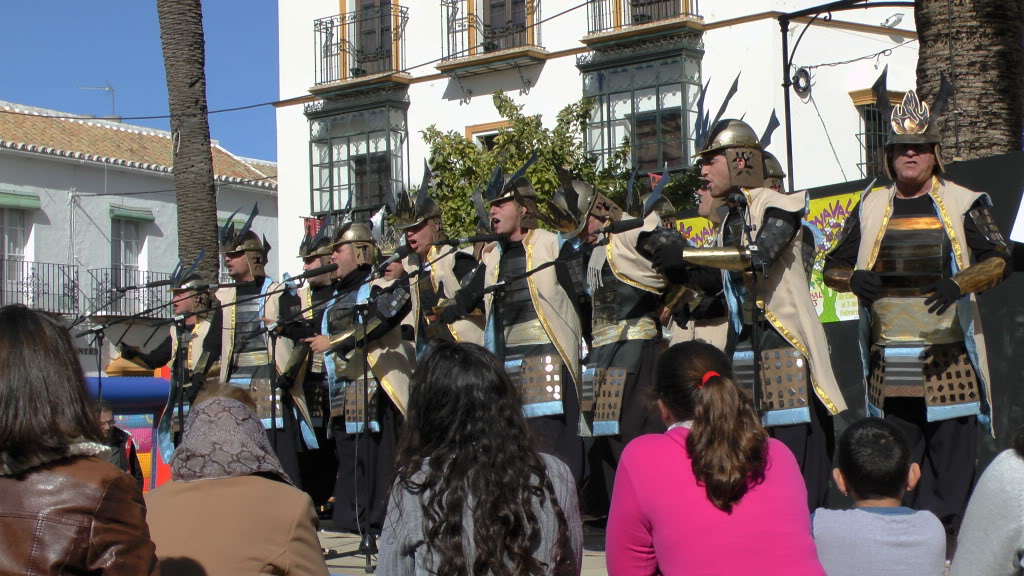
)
(362, 48)
(47, 287)
(613, 21)
(107, 300)
(505, 35)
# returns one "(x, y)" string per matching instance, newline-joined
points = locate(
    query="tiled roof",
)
(55, 133)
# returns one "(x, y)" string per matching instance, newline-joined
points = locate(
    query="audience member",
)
(229, 507)
(879, 536)
(122, 447)
(713, 494)
(991, 540)
(64, 509)
(472, 497)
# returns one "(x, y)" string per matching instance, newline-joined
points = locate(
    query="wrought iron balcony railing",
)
(502, 26)
(608, 15)
(361, 43)
(49, 287)
(107, 300)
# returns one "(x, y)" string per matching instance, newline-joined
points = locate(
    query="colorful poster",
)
(826, 217)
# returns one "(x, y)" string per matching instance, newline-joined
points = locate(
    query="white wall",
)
(754, 47)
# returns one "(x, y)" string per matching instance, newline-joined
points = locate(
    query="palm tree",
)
(184, 47)
(987, 65)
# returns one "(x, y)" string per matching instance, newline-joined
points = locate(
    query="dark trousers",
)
(558, 435)
(947, 452)
(287, 443)
(638, 417)
(813, 444)
(366, 470)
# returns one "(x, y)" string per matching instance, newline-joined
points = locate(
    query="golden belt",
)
(907, 320)
(249, 359)
(636, 329)
(527, 333)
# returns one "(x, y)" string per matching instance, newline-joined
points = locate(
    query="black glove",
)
(128, 351)
(943, 294)
(866, 285)
(465, 300)
(668, 261)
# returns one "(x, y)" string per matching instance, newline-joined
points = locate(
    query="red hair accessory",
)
(707, 376)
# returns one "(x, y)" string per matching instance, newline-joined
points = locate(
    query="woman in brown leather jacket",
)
(64, 509)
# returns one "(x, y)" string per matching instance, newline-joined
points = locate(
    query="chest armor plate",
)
(913, 255)
(517, 306)
(247, 327)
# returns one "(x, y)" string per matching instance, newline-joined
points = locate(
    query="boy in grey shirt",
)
(878, 537)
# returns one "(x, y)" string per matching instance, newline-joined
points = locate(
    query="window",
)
(357, 155)
(505, 24)
(13, 270)
(125, 249)
(374, 38)
(484, 135)
(874, 131)
(643, 11)
(12, 234)
(652, 104)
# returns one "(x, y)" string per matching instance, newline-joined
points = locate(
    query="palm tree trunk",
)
(184, 47)
(987, 65)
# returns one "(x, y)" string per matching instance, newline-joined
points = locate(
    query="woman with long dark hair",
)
(714, 494)
(991, 539)
(472, 496)
(64, 508)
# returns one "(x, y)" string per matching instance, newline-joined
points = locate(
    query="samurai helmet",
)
(189, 280)
(244, 239)
(409, 212)
(773, 172)
(387, 237)
(735, 139)
(912, 120)
(568, 208)
(318, 244)
(361, 237)
(516, 187)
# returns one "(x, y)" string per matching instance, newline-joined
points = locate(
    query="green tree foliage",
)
(460, 167)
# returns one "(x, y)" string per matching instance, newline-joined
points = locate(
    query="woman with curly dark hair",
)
(714, 494)
(472, 497)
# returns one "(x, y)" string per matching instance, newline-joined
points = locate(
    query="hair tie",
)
(707, 376)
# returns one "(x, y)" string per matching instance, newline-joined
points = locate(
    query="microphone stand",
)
(757, 267)
(367, 542)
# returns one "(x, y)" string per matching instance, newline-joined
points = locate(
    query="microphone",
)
(469, 240)
(402, 252)
(738, 198)
(153, 284)
(325, 269)
(622, 226)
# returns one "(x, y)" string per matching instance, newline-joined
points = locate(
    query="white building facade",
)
(383, 70)
(88, 205)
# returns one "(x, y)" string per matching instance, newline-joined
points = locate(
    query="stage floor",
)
(593, 552)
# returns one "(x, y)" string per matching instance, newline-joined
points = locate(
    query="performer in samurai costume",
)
(362, 311)
(305, 368)
(251, 357)
(532, 322)
(760, 247)
(441, 269)
(626, 295)
(192, 351)
(915, 253)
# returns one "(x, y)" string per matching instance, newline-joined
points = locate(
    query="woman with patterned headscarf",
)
(230, 508)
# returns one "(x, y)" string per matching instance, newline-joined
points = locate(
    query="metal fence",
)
(360, 43)
(48, 287)
(114, 292)
(511, 25)
(604, 15)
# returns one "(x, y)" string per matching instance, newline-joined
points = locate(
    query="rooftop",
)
(53, 133)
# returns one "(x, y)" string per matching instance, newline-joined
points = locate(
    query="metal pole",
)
(786, 83)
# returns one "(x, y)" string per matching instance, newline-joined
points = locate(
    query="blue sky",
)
(55, 47)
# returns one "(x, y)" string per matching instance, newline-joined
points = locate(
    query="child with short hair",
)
(879, 536)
